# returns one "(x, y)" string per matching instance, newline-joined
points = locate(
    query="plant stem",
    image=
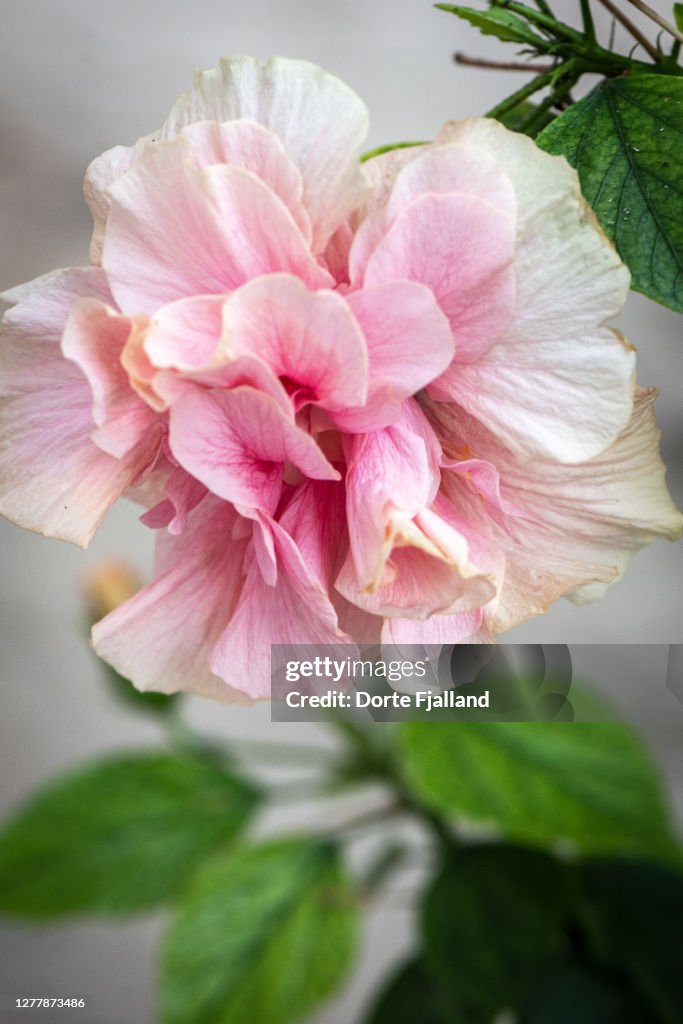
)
(630, 27)
(497, 65)
(521, 94)
(587, 15)
(649, 12)
(379, 764)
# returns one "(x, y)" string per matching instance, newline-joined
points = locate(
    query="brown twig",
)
(630, 27)
(480, 62)
(658, 19)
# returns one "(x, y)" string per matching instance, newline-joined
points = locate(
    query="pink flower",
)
(359, 401)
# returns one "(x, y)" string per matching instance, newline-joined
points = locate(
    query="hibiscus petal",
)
(464, 627)
(181, 495)
(53, 478)
(435, 169)
(310, 337)
(185, 334)
(408, 337)
(462, 248)
(94, 338)
(569, 277)
(100, 174)
(236, 443)
(565, 399)
(159, 639)
(392, 474)
(296, 610)
(574, 524)
(320, 121)
(175, 230)
(251, 146)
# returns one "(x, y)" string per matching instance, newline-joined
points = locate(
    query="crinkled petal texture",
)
(361, 403)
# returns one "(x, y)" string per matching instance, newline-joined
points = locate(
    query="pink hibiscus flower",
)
(359, 401)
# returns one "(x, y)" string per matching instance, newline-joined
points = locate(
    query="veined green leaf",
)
(592, 784)
(118, 836)
(264, 934)
(626, 141)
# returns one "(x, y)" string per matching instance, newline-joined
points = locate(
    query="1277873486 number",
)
(49, 1003)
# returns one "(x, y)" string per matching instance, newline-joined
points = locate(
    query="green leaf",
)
(571, 994)
(626, 141)
(500, 23)
(633, 916)
(522, 118)
(411, 997)
(264, 934)
(678, 16)
(537, 782)
(491, 920)
(119, 836)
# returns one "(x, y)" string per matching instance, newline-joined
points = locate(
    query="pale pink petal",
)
(464, 627)
(563, 399)
(160, 639)
(94, 338)
(101, 173)
(250, 371)
(175, 230)
(251, 146)
(185, 334)
(392, 475)
(435, 169)
(569, 278)
(312, 338)
(236, 443)
(320, 121)
(53, 478)
(483, 480)
(408, 336)
(182, 494)
(574, 524)
(315, 519)
(296, 610)
(428, 571)
(462, 248)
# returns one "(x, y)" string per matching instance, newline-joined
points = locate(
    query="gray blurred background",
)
(76, 77)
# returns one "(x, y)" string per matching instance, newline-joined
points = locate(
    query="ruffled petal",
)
(570, 280)
(320, 121)
(296, 609)
(408, 336)
(237, 442)
(462, 248)
(392, 475)
(251, 146)
(184, 335)
(562, 399)
(94, 338)
(53, 478)
(575, 527)
(405, 559)
(160, 638)
(401, 176)
(175, 230)
(463, 627)
(311, 338)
